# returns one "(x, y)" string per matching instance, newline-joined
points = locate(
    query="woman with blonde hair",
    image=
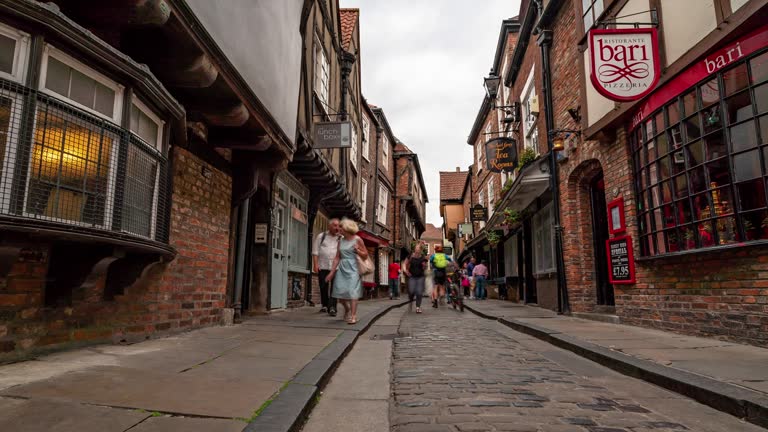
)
(345, 274)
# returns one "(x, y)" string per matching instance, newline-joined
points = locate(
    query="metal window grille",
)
(62, 166)
(701, 164)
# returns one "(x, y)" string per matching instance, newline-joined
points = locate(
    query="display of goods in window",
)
(624, 62)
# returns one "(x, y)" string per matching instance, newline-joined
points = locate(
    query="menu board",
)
(479, 213)
(621, 262)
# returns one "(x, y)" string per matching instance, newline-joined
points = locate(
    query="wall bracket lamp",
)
(559, 136)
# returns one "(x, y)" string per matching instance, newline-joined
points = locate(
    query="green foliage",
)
(493, 237)
(527, 156)
(512, 217)
(507, 186)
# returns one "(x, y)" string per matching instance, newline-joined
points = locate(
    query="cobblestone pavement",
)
(458, 372)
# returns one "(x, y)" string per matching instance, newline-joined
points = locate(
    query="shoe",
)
(323, 309)
(434, 304)
(418, 310)
(332, 312)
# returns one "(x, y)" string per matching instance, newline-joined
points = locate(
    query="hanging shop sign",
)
(465, 229)
(479, 213)
(625, 62)
(336, 134)
(501, 154)
(621, 260)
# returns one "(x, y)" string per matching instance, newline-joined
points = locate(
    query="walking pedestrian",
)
(480, 274)
(465, 276)
(394, 280)
(345, 273)
(324, 250)
(415, 265)
(439, 262)
(470, 270)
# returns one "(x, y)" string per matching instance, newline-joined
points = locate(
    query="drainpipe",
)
(240, 265)
(347, 61)
(544, 41)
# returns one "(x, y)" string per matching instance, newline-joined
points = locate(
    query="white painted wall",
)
(262, 40)
(635, 7)
(597, 105)
(699, 18)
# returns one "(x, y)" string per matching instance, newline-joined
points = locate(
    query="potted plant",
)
(507, 186)
(511, 217)
(527, 156)
(492, 237)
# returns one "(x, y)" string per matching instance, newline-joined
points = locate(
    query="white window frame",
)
(541, 221)
(478, 155)
(366, 139)
(363, 197)
(489, 189)
(20, 53)
(322, 78)
(530, 132)
(385, 150)
(383, 206)
(117, 109)
(152, 116)
(353, 148)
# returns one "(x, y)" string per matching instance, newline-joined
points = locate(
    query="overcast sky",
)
(423, 62)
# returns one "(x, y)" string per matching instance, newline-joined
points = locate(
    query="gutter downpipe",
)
(544, 40)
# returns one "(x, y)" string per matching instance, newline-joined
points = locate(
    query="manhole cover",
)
(390, 336)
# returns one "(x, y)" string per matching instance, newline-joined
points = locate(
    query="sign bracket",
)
(612, 21)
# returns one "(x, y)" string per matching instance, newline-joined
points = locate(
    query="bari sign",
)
(501, 154)
(625, 62)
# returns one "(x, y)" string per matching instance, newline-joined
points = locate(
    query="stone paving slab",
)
(455, 372)
(20, 415)
(185, 424)
(724, 375)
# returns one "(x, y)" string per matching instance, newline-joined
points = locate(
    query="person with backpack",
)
(439, 262)
(324, 250)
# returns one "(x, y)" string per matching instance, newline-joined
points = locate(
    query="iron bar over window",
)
(701, 164)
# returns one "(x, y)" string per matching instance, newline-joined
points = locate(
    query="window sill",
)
(704, 251)
(298, 270)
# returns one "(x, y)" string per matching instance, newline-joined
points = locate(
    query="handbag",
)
(364, 266)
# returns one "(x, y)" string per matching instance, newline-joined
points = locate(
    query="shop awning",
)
(371, 239)
(531, 183)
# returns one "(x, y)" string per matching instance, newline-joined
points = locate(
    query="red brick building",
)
(410, 200)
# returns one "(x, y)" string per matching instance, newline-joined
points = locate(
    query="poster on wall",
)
(624, 62)
(621, 260)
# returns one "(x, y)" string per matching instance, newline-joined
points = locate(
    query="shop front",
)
(698, 152)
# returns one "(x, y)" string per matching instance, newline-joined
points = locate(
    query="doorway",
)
(278, 297)
(605, 295)
(531, 295)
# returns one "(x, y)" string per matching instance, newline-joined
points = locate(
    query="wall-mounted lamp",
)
(559, 136)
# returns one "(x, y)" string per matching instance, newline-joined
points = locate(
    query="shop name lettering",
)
(722, 60)
(502, 159)
(330, 134)
(624, 62)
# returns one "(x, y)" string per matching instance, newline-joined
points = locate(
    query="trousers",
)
(326, 298)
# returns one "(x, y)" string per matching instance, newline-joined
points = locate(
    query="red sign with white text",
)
(625, 62)
(698, 71)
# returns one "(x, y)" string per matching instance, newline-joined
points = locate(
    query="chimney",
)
(458, 169)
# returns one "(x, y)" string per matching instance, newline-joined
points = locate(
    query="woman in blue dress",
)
(347, 281)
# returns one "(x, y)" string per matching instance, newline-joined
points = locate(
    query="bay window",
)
(64, 156)
(701, 164)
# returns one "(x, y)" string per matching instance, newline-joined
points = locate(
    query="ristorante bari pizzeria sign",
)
(625, 62)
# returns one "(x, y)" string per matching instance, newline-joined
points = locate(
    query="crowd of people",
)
(339, 258)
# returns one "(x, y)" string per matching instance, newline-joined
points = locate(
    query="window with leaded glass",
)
(701, 164)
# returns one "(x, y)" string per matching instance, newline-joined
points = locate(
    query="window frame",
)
(385, 151)
(681, 233)
(8, 165)
(322, 75)
(363, 198)
(366, 147)
(530, 131)
(381, 216)
(20, 55)
(353, 150)
(160, 146)
(51, 51)
(542, 224)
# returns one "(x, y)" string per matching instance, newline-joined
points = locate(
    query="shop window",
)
(716, 153)
(298, 234)
(543, 241)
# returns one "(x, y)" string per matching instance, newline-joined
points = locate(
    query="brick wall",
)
(722, 294)
(188, 292)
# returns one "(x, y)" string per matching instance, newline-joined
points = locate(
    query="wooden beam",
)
(195, 72)
(225, 116)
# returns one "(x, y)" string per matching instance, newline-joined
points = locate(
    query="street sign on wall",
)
(333, 134)
(624, 62)
(479, 213)
(501, 154)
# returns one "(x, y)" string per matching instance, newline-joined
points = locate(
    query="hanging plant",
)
(511, 216)
(527, 156)
(493, 237)
(507, 187)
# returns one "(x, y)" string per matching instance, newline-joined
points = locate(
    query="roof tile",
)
(452, 184)
(348, 21)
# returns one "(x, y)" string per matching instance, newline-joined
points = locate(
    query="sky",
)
(423, 62)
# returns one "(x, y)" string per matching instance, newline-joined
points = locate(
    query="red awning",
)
(372, 239)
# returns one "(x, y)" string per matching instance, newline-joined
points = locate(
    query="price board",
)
(621, 261)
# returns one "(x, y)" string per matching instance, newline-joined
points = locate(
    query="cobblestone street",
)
(459, 372)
